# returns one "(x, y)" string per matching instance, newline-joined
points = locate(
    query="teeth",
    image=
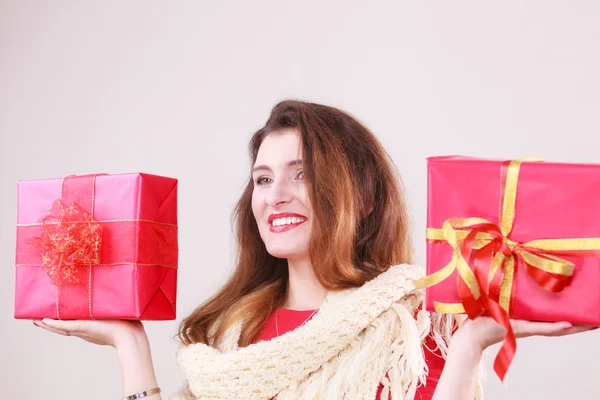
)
(286, 221)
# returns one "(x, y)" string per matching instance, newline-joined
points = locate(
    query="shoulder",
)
(397, 281)
(397, 284)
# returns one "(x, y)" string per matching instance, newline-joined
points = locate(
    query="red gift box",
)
(524, 236)
(97, 247)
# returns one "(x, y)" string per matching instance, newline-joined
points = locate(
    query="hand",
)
(101, 332)
(484, 331)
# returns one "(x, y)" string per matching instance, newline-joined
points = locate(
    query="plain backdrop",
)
(177, 88)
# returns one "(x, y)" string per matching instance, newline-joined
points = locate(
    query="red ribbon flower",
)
(70, 239)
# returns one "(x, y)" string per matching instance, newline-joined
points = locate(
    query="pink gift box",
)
(131, 267)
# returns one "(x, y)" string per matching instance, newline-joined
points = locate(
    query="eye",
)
(263, 180)
(300, 175)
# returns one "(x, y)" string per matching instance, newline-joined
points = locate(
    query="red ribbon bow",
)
(70, 239)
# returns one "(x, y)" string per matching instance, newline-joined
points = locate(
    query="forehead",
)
(279, 147)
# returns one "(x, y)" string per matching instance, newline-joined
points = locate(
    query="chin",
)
(287, 253)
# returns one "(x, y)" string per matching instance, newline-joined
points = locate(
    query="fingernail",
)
(567, 326)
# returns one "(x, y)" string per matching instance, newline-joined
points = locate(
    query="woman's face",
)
(280, 200)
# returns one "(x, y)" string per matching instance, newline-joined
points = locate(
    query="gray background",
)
(176, 89)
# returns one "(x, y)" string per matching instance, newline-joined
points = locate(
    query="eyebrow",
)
(293, 163)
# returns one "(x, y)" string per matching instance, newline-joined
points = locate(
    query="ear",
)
(371, 207)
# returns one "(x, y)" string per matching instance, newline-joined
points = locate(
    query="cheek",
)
(258, 207)
(303, 197)
(255, 205)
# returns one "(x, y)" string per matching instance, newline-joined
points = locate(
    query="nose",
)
(279, 194)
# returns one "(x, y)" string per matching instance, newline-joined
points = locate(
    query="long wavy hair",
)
(360, 225)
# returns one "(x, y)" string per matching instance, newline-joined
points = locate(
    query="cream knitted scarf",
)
(343, 352)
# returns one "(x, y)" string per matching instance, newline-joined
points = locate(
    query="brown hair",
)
(359, 225)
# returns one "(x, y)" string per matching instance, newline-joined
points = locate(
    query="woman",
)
(321, 304)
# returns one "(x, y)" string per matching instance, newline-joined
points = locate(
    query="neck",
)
(304, 291)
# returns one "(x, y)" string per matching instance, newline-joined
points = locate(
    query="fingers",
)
(65, 328)
(578, 329)
(528, 328)
(40, 324)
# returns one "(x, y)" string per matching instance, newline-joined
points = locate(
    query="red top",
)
(288, 320)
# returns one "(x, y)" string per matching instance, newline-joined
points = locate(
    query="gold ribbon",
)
(540, 254)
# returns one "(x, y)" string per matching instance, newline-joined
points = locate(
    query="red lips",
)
(283, 228)
(284, 215)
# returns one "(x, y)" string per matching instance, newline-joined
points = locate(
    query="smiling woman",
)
(322, 302)
(320, 165)
(323, 213)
